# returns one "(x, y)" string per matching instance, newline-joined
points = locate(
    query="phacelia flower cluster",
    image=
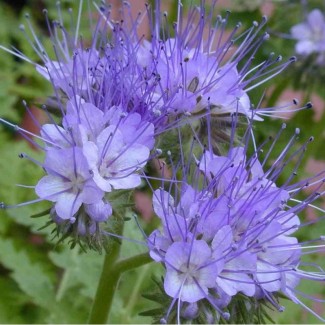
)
(90, 155)
(232, 236)
(228, 227)
(119, 94)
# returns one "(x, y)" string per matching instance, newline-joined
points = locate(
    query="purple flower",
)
(163, 77)
(197, 71)
(310, 34)
(245, 224)
(196, 81)
(68, 183)
(103, 136)
(228, 226)
(79, 72)
(190, 270)
(114, 163)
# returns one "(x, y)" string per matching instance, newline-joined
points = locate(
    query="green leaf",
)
(15, 306)
(80, 269)
(33, 277)
(72, 309)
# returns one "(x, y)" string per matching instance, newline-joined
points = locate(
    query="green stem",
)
(132, 262)
(108, 283)
(104, 294)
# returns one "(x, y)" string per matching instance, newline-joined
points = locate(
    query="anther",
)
(322, 238)
(2, 205)
(297, 131)
(266, 36)
(295, 101)
(226, 315)
(309, 105)
(281, 309)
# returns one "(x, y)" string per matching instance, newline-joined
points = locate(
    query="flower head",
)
(200, 68)
(101, 138)
(245, 225)
(228, 225)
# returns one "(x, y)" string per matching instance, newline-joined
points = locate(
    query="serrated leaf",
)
(72, 309)
(15, 306)
(32, 277)
(80, 269)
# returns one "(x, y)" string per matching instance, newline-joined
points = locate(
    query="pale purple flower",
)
(190, 270)
(196, 81)
(162, 77)
(79, 72)
(68, 183)
(103, 137)
(310, 34)
(247, 224)
(113, 161)
(198, 71)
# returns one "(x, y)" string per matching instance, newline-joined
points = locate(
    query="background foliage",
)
(45, 282)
